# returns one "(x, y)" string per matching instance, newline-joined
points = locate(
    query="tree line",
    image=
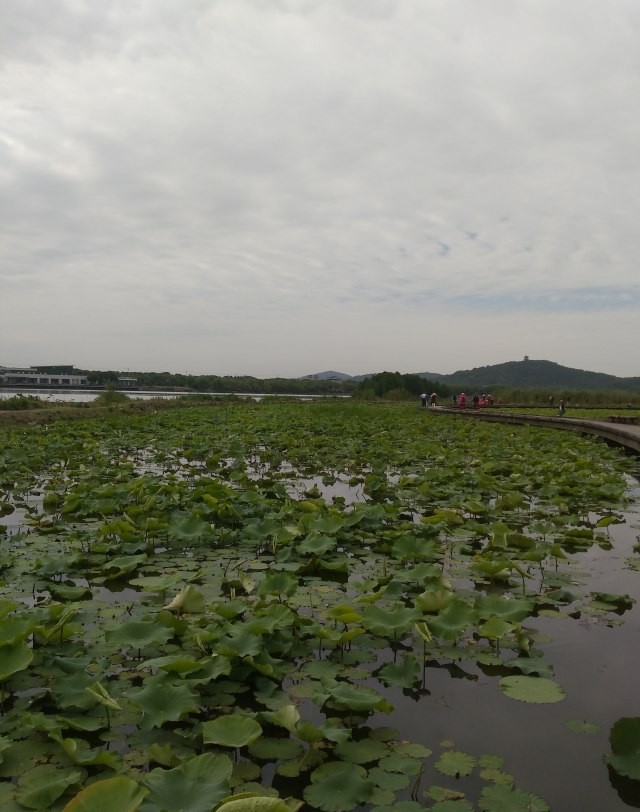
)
(235, 384)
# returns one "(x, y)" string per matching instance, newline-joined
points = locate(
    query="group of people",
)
(431, 399)
(460, 401)
(478, 401)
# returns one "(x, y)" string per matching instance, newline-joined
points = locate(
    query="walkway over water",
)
(621, 434)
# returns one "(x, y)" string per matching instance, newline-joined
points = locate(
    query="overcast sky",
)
(282, 187)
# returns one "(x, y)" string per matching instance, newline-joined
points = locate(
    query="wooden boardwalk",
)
(622, 434)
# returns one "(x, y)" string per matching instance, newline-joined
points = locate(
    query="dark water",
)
(597, 665)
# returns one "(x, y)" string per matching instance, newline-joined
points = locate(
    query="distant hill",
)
(327, 376)
(534, 374)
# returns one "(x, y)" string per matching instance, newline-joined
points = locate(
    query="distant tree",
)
(387, 385)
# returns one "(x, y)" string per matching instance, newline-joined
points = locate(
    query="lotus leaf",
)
(609, 601)
(412, 749)
(433, 600)
(14, 657)
(358, 698)
(399, 763)
(624, 739)
(538, 690)
(437, 793)
(495, 628)
(73, 691)
(177, 663)
(156, 583)
(402, 674)
(271, 617)
(362, 751)
(6, 607)
(14, 629)
(286, 716)
(162, 701)
(461, 805)
(244, 771)
(317, 544)
(455, 763)
(308, 732)
(139, 634)
(495, 776)
(502, 798)
(411, 548)
(39, 787)
(161, 480)
(240, 642)
(118, 567)
(393, 623)
(580, 726)
(344, 614)
(270, 748)
(606, 521)
(69, 592)
(277, 583)
(231, 731)
(196, 785)
(79, 752)
(188, 528)
(189, 600)
(511, 609)
(112, 795)
(338, 786)
(334, 733)
(455, 619)
(389, 780)
(256, 803)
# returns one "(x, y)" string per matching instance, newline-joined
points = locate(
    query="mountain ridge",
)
(527, 373)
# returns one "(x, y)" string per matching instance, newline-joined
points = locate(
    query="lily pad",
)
(455, 763)
(537, 690)
(580, 726)
(501, 798)
(231, 731)
(338, 787)
(40, 787)
(624, 739)
(112, 795)
(196, 785)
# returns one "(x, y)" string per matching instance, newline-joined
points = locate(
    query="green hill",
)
(535, 374)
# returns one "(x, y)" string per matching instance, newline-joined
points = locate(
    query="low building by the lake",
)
(35, 376)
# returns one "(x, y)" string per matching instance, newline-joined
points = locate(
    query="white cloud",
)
(276, 187)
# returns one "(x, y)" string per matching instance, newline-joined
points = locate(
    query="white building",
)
(20, 376)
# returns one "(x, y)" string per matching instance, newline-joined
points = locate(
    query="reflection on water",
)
(83, 396)
(76, 396)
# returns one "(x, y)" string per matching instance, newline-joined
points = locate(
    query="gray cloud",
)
(318, 184)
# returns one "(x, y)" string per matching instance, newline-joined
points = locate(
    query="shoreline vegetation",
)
(29, 410)
(24, 407)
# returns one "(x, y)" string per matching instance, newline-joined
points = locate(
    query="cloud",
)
(245, 171)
